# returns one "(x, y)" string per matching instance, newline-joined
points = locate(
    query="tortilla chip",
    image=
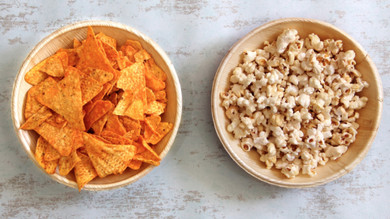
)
(48, 166)
(76, 43)
(155, 70)
(100, 75)
(106, 39)
(102, 93)
(147, 156)
(100, 108)
(108, 158)
(91, 55)
(37, 119)
(34, 76)
(150, 95)
(57, 121)
(123, 61)
(162, 130)
(113, 97)
(89, 87)
(134, 44)
(156, 108)
(32, 105)
(132, 78)
(84, 170)
(98, 126)
(135, 164)
(123, 103)
(152, 82)
(110, 53)
(133, 127)
(65, 99)
(161, 96)
(73, 57)
(142, 56)
(66, 164)
(114, 125)
(153, 122)
(62, 139)
(51, 153)
(115, 138)
(136, 109)
(55, 65)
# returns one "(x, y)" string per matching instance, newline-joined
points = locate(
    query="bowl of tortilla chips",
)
(96, 105)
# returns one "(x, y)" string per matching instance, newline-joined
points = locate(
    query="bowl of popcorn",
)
(96, 105)
(297, 102)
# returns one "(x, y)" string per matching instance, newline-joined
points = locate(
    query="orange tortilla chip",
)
(162, 130)
(134, 44)
(103, 92)
(100, 75)
(73, 57)
(135, 164)
(110, 52)
(92, 55)
(66, 164)
(133, 127)
(156, 108)
(136, 110)
(142, 56)
(89, 87)
(106, 39)
(153, 83)
(84, 170)
(57, 121)
(161, 96)
(65, 99)
(150, 95)
(155, 70)
(113, 97)
(115, 138)
(100, 108)
(62, 139)
(51, 153)
(123, 103)
(32, 105)
(108, 158)
(34, 76)
(56, 64)
(132, 78)
(76, 43)
(98, 126)
(37, 119)
(123, 61)
(48, 166)
(149, 155)
(114, 125)
(153, 122)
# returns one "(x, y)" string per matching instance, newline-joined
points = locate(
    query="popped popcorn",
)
(295, 102)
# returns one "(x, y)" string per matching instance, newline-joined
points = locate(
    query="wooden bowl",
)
(63, 38)
(369, 116)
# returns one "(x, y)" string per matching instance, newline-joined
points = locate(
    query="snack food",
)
(89, 105)
(295, 102)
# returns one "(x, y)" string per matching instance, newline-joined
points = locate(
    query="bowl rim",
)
(215, 103)
(80, 25)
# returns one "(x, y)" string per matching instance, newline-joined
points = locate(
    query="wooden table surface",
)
(197, 179)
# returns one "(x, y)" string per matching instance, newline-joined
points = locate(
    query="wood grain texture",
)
(370, 115)
(197, 178)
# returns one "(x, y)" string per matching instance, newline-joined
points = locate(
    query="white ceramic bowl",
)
(63, 38)
(369, 116)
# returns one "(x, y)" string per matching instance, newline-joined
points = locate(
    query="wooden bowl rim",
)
(79, 25)
(220, 129)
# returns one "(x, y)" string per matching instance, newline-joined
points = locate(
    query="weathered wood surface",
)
(197, 178)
